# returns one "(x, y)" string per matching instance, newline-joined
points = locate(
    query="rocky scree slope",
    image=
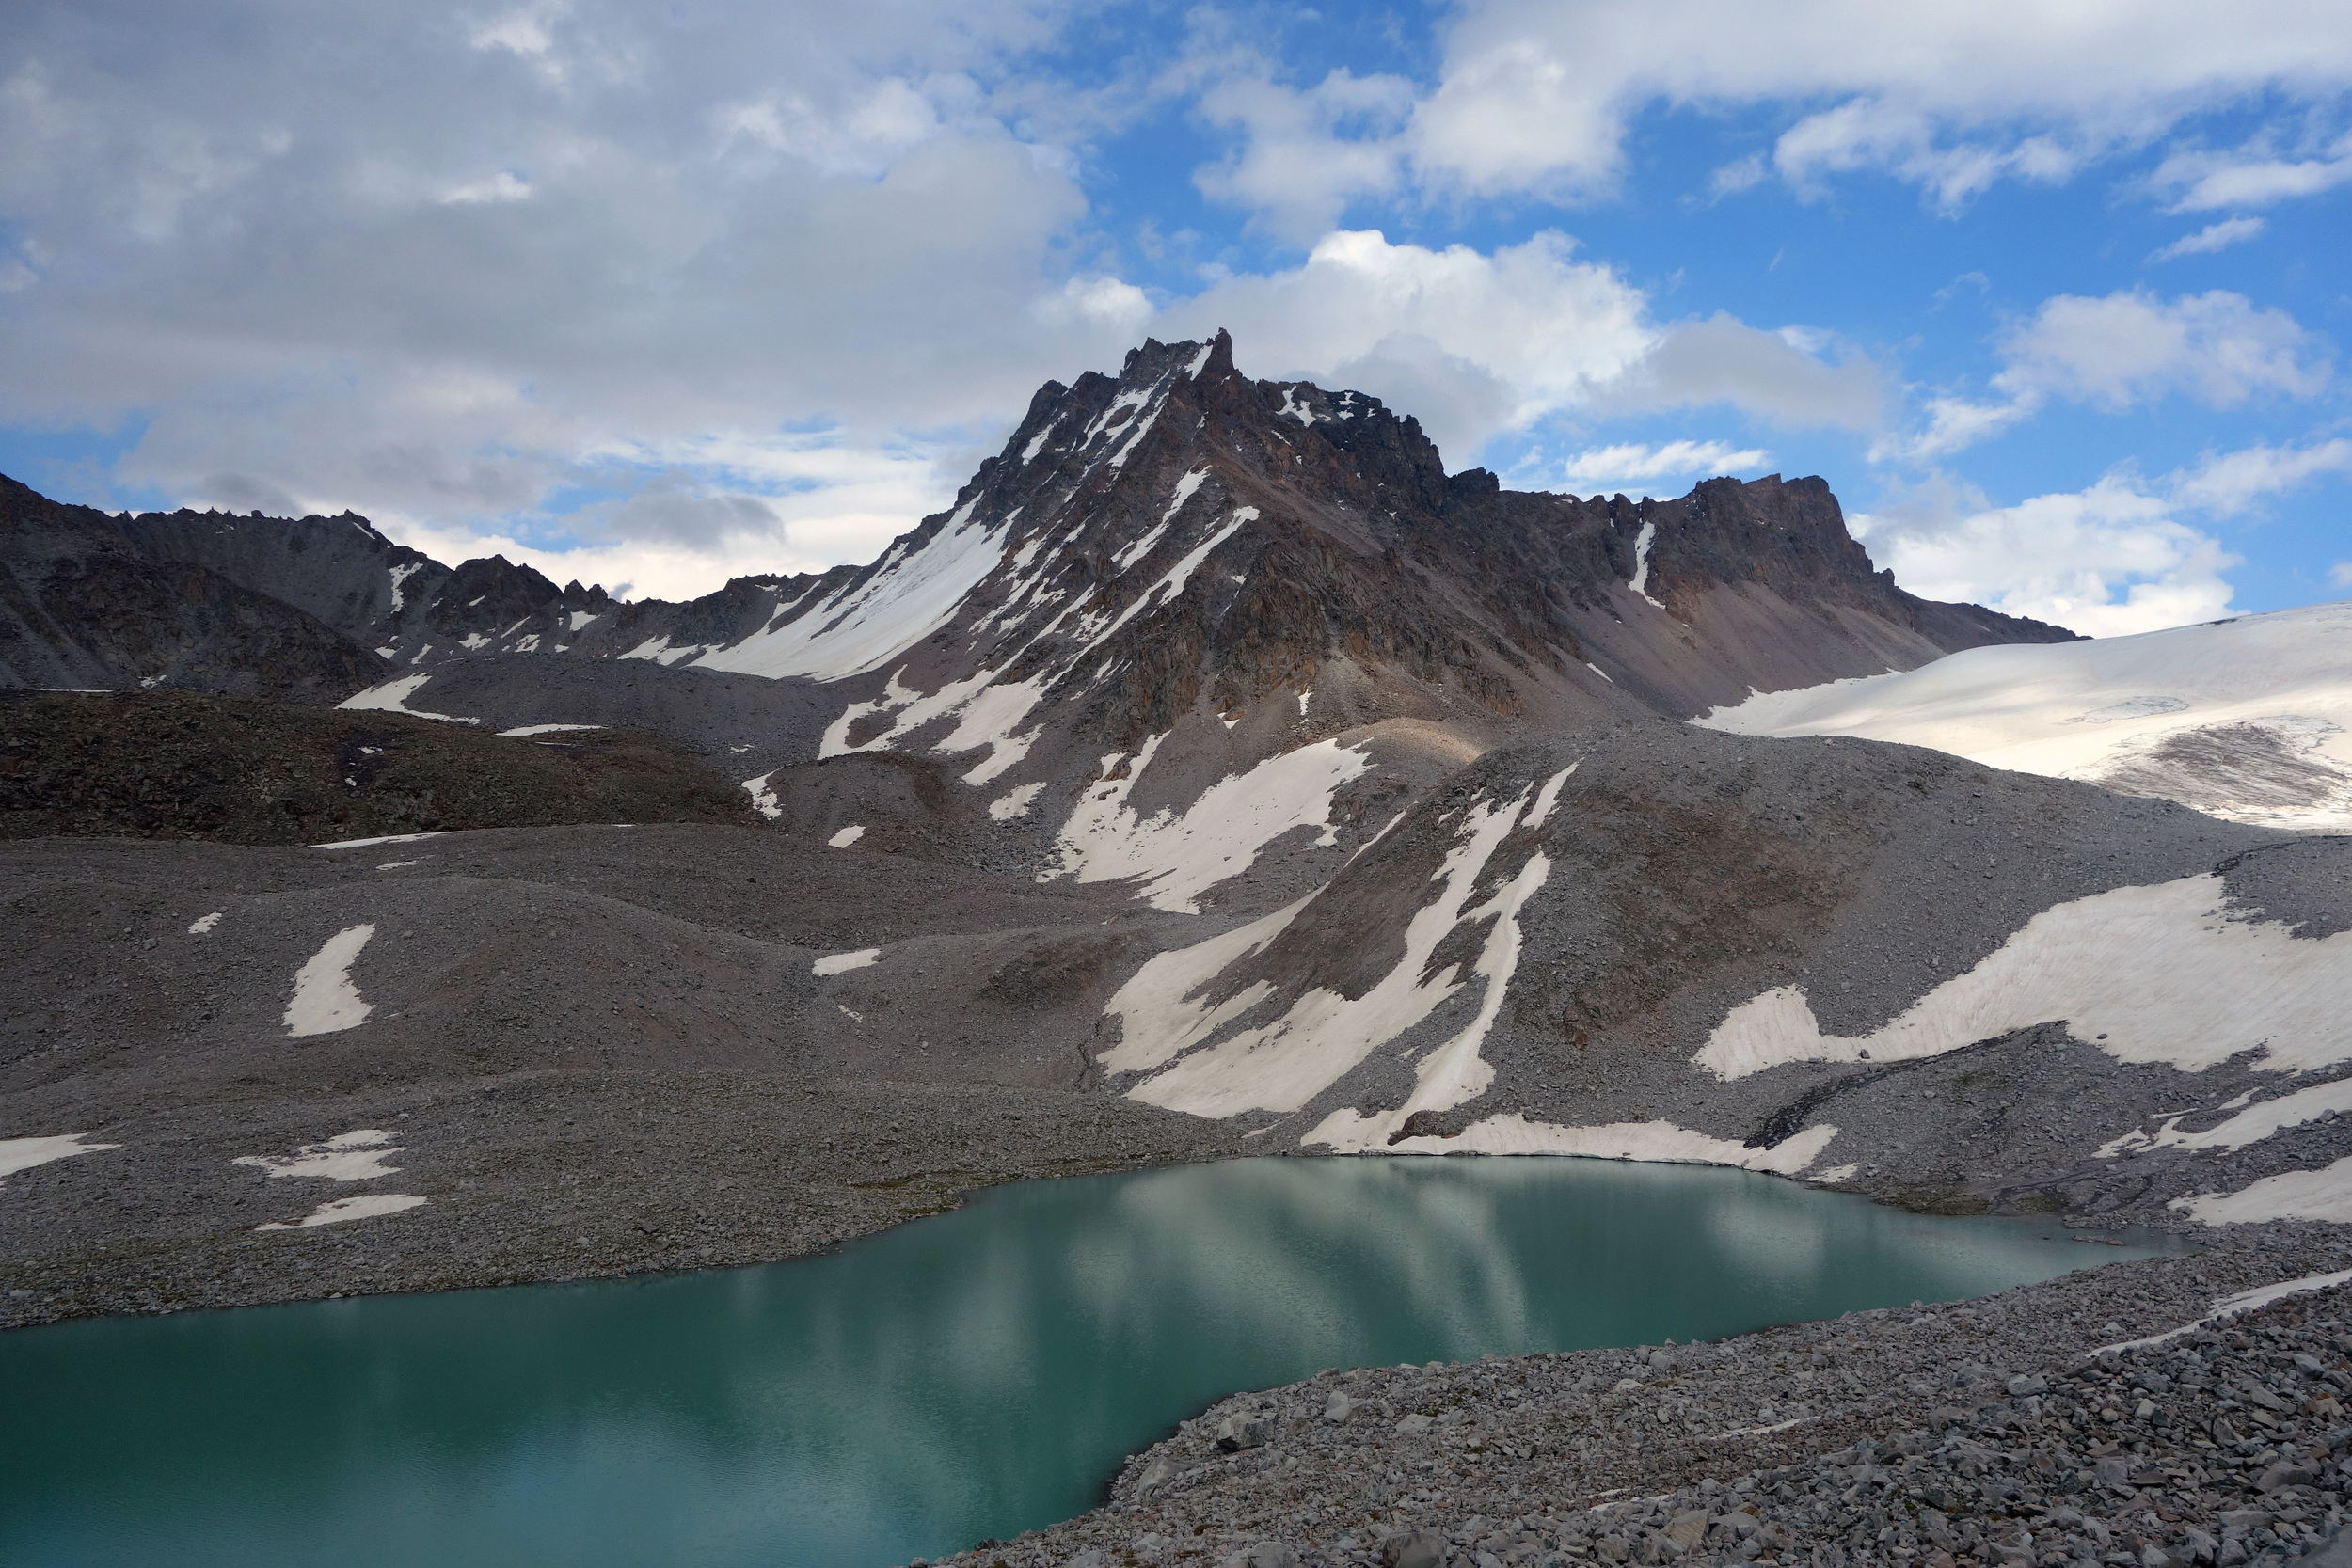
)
(1873, 965)
(548, 1053)
(2146, 1415)
(82, 608)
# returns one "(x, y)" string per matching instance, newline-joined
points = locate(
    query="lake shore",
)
(1999, 1429)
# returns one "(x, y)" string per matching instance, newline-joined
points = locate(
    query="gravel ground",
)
(537, 1177)
(2008, 1429)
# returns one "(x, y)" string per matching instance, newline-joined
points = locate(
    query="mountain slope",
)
(80, 606)
(1185, 619)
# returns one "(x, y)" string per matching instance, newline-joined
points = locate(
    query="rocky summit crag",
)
(1218, 774)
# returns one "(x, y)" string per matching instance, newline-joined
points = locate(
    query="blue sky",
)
(2053, 297)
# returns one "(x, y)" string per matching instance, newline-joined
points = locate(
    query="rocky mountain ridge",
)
(81, 606)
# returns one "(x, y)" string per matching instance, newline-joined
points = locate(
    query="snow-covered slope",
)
(2249, 719)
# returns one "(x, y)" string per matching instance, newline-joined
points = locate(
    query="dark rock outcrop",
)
(81, 606)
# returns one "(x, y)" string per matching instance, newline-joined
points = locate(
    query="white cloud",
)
(2200, 181)
(2213, 237)
(2341, 574)
(1292, 163)
(2111, 559)
(559, 231)
(2120, 350)
(2131, 347)
(1469, 343)
(1777, 376)
(1535, 97)
(2106, 562)
(1624, 468)
(1475, 344)
(2227, 484)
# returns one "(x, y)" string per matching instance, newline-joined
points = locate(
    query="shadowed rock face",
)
(80, 606)
(180, 765)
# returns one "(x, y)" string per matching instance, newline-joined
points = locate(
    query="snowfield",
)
(2164, 974)
(2249, 719)
(1174, 858)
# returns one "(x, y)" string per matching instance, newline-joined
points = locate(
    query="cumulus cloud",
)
(1475, 344)
(1626, 468)
(1535, 98)
(1780, 377)
(446, 287)
(1293, 160)
(1471, 342)
(2107, 562)
(2121, 350)
(2341, 574)
(2111, 559)
(2131, 346)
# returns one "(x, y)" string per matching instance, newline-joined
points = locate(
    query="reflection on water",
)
(974, 1374)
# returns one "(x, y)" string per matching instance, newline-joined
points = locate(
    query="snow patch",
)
(1659, 1142)
(847, 836)
(1598, 671)
(910, 595)
(324, 1000)
(986, 716)
(1282, 1065)
(371, 843)
(2229, 1307)
(2294, 1194)
(1015, 802)
(401, 574)
(840, 963)
(581, 617)
(1641, 543)
(204, 923)
(521, 730)
(2135, 707)
(393, 696)
(2159, 971)
(1037, 443)
(1177, 858)
(763, 798)
(18, 1154)
(2248, 1126)
(367, 1206)
(355, 1156)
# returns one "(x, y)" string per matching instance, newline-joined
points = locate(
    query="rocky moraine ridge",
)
(2183, 1411)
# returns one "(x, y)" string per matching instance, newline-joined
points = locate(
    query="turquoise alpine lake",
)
(971, 1375)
